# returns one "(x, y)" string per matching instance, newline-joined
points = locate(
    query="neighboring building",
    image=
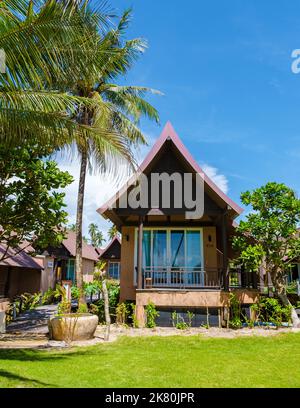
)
(19, 273)
(175, 262)
(111, 254)
(64, 259)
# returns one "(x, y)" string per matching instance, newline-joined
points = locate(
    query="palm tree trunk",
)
(80, 201)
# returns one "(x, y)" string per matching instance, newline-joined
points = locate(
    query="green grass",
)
(160, 362)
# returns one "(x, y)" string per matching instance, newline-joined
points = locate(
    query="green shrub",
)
(93, 309)
(64, 307)
(151, 315)
(178, 321)
(270, 310)
(291, 288)
(235, 321)
(48, 297)
(82, 308)
(75, 292)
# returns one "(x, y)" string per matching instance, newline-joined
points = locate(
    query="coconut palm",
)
(112, 232)
(96, 236)
(124, 107)
(46, 43)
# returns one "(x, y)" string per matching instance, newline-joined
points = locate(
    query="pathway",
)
(32, 321)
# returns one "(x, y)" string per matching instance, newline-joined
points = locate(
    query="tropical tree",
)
(45, 44)
(113, 232)
(32, 209)
(269, 235)
(117, 112)
(96, 236)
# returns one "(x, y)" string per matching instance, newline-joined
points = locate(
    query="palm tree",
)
(124, 106)
(96, 236)
(112, 232)
(46, 43)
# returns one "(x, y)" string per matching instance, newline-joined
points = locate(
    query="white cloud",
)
(219, 179)
(98, 189)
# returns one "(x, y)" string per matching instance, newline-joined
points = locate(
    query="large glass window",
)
(172, 249)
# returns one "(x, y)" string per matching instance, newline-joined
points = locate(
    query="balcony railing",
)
(196, 278)
(183, 278)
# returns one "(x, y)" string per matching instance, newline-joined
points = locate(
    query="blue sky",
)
(225, 71)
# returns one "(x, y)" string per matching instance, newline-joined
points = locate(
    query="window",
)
(172, 249)
(114, 270)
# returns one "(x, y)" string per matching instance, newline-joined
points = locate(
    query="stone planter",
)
(73, 327)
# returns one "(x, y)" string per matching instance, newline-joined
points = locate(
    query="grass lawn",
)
(160, 362)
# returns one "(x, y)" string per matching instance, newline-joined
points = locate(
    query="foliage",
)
(75, 293)
(82, 308)
(33, 97)
(31, 205)
(133, 317)
(93, 309)
(269, 310)
(64, 307)
(151, 315)
(235, 321)
(291, 288)
(122, 312)
(99, 269)
(190, 316)
(96, 236)
(179, 322)
(22, 303)
(92, 288)
(48, 297)
(113, 288)
(269, 235)
(113, 232)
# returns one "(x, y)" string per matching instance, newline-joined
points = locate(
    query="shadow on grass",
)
(46, 355)
(28, 381)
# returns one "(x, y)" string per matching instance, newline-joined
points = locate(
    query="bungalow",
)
(19, 273)
(64, 259)
(111, 254)
(172, 256)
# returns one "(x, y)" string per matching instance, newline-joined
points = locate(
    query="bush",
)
(113, 288)
(270, 310)
(48, 297)
(179, 322)
(151, 315)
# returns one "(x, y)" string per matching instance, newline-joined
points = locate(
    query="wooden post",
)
(225, 252)
(140, 255)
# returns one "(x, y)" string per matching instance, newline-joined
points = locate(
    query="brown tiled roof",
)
(21, 260)
(88, 251)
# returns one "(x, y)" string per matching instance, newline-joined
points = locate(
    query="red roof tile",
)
(88, 251)
(21, 260)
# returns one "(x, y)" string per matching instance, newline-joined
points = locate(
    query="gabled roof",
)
(167, 134)
(115, 239)
(88, 251)
(21, 260)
